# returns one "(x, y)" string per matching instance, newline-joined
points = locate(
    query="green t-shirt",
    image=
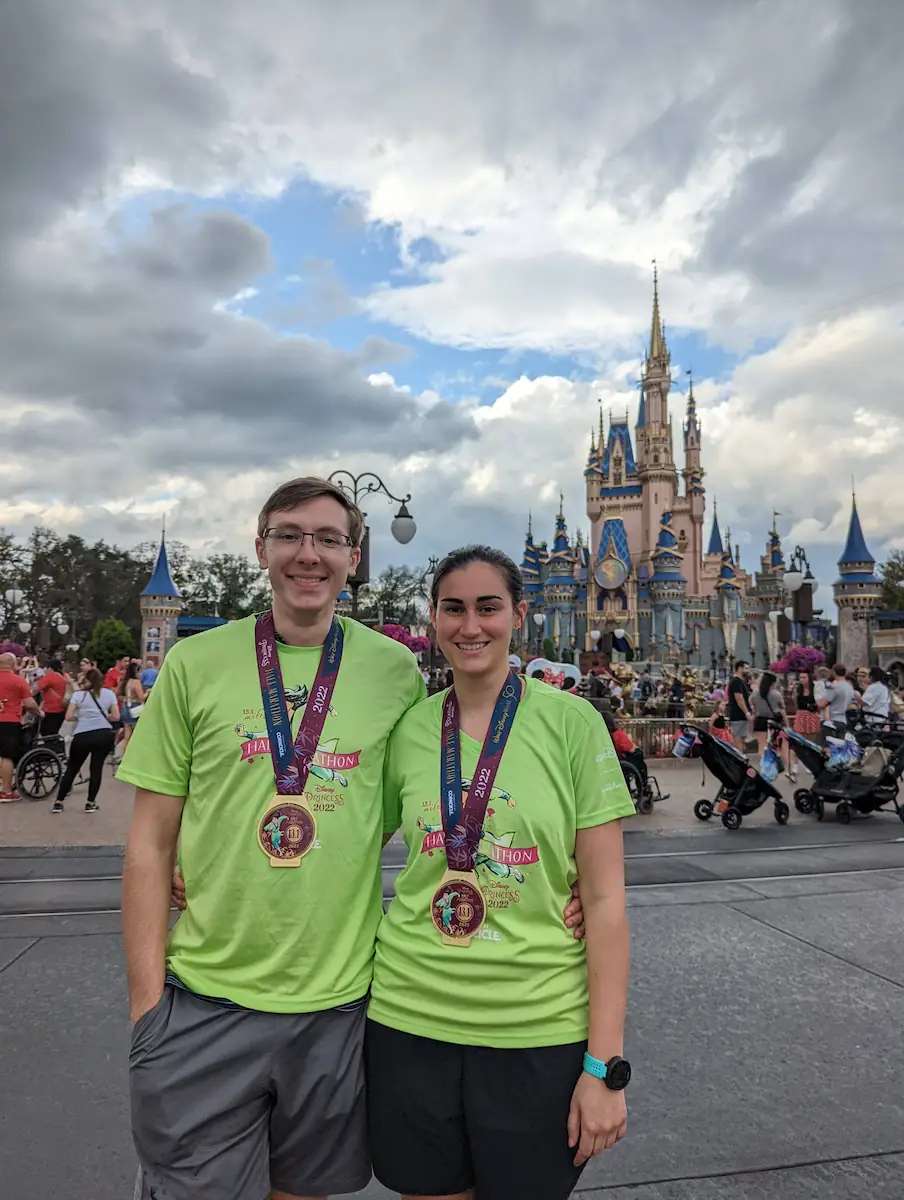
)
(523, 980)
(276, 940)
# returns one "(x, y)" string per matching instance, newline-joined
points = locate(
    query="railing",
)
(654, 735)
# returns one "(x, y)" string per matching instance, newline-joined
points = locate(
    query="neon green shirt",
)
(523, 980)
(277, 940)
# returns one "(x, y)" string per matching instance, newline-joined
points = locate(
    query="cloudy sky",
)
(243, 241)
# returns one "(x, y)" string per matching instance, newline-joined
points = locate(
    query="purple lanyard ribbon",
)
(463, 823)
(292, 762)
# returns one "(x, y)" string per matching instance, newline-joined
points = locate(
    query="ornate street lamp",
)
(540, 621)
(403, 527)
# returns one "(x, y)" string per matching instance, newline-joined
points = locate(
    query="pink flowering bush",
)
(12, 648)
(398, 633)
(798, 658)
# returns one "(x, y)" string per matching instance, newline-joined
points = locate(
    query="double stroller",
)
(742, 788)
(866, 786)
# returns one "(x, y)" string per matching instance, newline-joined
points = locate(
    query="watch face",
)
(610, 573)
(618, 1074)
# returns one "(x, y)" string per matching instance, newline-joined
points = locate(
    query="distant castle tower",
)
(161, 604)
(858, 594)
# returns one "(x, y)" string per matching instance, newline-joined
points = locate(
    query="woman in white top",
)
(876, 699)
(93, 707)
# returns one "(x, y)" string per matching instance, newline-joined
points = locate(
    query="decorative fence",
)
(654, 735)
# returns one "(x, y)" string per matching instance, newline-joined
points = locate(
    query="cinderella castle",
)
(650, 582)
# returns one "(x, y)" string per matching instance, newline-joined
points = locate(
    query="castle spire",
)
(855, 550)
(715, 538)
(161, 581)
(602, 440)
(657, 338)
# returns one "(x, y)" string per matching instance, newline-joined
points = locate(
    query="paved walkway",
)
(29, 823)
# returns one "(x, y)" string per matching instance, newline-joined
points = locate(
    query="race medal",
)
(458, 908)
(286, 832)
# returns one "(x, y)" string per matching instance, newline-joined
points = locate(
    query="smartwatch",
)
(616, 1073)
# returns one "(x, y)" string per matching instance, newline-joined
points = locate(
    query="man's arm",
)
(146, 885)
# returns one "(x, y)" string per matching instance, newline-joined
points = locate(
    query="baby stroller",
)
(815, 759)
(642, 786)
(742, 788)
(867, 787)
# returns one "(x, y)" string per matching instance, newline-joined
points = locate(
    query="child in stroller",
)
(742, 788)
(865, 787)
(644, 787)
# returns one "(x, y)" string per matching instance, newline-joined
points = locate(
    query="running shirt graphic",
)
(559, 774)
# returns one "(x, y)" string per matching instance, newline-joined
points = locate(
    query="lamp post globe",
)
(62, 628)
(25, 626)
(792, 580)
(403, 526)
(14, 596)
(539, 620)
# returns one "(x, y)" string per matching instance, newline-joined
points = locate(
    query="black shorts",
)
(760, 724)
(10, 740)
(50, 726)
(445, 1118)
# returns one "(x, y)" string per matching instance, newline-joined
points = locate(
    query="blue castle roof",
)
(728, 579)
(613, 537)
(715, 538)
(666, 557)
(855, 549)
(642, 411)
(161, 582)
(620, 434)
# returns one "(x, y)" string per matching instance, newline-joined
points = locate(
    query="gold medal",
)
(458, 908)
(287, 831)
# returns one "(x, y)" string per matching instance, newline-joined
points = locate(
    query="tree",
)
(549, 650)
(110, 639)
(395, 595)
(228, 584)
(891, 573)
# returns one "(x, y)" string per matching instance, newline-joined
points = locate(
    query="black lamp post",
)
(403, 528)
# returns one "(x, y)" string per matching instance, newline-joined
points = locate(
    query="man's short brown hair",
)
(298, 491)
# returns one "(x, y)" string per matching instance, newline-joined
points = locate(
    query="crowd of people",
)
(87, 713)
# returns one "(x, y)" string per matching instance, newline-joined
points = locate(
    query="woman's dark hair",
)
(131, 673)
(55, 665)
(94, 681)
(766, 684)
(480, 554)
(877, 675)
(609, 721)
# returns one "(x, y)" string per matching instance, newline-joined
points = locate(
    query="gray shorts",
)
(229, 1104)
(739, 730)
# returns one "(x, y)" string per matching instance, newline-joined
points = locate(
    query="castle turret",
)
(858, 594)
(668, 588)
(161, 604)
(561, 587)
(655, 460)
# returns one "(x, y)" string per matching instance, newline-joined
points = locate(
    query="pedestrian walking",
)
(740, 714)
(50, 691)
(484, 1017)
(130, 697)
(93, 708)
(15, 699)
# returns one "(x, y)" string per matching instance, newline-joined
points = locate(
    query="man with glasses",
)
(246, 1069)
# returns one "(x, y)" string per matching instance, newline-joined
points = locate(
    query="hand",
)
(574, 912)
(142, 1005)
(177, 898)
(598, 1118)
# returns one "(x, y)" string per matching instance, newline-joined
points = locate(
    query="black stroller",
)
(867, 787)
(743, 789)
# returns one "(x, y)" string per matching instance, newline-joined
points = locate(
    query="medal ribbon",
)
(463, 823)
(292, 762)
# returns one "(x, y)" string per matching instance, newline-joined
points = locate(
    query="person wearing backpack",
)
(93, 708)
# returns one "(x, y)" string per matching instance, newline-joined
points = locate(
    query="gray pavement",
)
(764, 1021)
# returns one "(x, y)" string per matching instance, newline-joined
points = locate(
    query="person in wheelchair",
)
(625, 747)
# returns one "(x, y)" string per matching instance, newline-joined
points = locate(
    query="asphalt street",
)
(765, 1013)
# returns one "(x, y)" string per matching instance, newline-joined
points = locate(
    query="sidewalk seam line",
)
(775, 1167)
(23, 951)
(820, 949)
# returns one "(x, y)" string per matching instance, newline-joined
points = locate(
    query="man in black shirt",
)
(740, 714)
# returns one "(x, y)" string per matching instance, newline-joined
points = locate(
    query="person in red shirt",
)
(116, 674)
(15, 697)
(51, 688)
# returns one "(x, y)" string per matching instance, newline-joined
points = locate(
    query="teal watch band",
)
(594, 1066)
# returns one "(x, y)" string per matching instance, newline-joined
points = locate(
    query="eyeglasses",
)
(291, 539)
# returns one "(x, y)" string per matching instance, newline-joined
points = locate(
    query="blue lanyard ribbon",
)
(463, 822)
(292, 761)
